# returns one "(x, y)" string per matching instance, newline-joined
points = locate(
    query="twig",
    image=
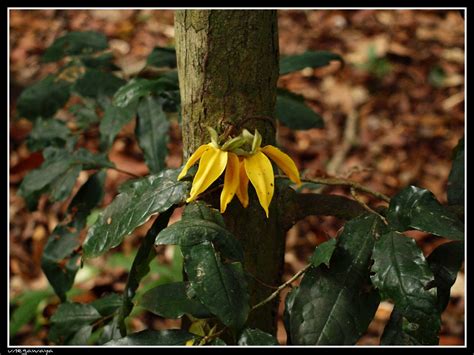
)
(206, 338)
(343, 182)
(348, 142)
(281, 287)
(125, 172)
(366, 207)
(261, 282)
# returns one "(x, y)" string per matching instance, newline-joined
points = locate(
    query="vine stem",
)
(125, 172)
(366, 207)
(343, 182)
(281, 287)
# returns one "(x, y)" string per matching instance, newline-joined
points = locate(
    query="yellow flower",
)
(240, 167)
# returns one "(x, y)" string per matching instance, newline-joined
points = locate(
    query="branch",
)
(298, 206)
(343, 182)
(281, 287)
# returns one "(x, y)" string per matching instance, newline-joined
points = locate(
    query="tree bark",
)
(228, 70)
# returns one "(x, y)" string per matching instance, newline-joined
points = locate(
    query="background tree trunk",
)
(228, 69)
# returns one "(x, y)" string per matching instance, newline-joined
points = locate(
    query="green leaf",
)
(81, 336)
(399, 331)
(102, 61)
(58, 172)
(445, 262)
(113, 121)
(141, 266)
(221, 288)
(43, 98)
(75, 43)
(217, 342)
(60, 259)
(95, 83)
(132, 207)
(151, 337)
(89, 195)
(108, 304)
(456, 176)
(162, 57)
(323, 252)
(61, 187)
(69, 318)
(289, 301)
(200, 210)
(136, 88)
(27, 309)
(110, 332)
(173, 301)
(309, 59)
(152, 132)
(416, 208)
(190, 231)
(402, 274)
(335, 306)
(256, 337)
(85, 115)
(292, 111)
(46, 133)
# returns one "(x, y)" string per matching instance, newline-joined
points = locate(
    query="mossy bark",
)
(228, 70)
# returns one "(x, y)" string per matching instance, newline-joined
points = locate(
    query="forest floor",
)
(393, 114)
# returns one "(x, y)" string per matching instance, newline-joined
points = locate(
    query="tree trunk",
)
(228, 69)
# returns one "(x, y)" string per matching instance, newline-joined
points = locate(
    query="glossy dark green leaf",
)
(44, 98)
(256, 337)
(289, 301)
(137, 88)
(402, 274)
(110, 332)
(399, 331)
(89, 195)
(173, 301)
(445, 262)
(152, 132)
(61, 187)
(141, 266)
(26, 308)
(60, 259)
(108, 304)
(47, 133)
(200, 210)
(309, 59)
(190, 231)
(217, 342)
(81, 336)
(102, 61)
(152, 337)
(84, 115)
(222, 288)
(113, 121)
(132, 207)
(95, 83)
(75, 43)
(292, 111)
(323, 252)
(58, 172)
(60, 262)
(335, 306)
(162, 57)
(416, 208)
(69, 318)
(456, 176)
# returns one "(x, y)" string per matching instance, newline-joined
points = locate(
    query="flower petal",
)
(211, 166)
(284, 162)
(193, 159)
(231, 180)
(243, 189)
(260, 172)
